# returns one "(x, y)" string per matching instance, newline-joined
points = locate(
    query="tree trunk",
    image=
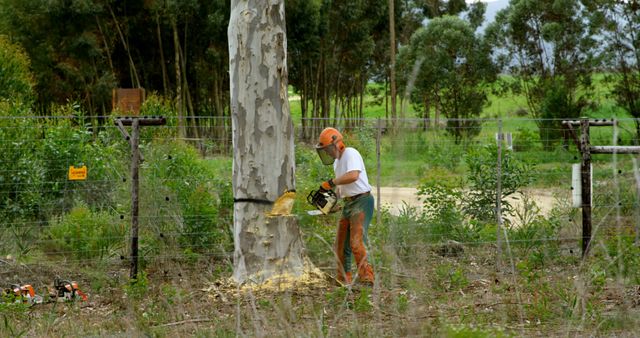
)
(392, 58)
(263, 162)
(427, 112)
(163, 66)
(134, 73)
(179, 98)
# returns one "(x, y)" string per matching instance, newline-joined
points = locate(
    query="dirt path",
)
(395, 198)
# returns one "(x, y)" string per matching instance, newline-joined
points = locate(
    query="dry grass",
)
(422, 295)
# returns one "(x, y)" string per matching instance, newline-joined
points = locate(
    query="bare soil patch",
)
(397, 198)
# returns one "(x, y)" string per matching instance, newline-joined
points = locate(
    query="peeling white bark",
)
(263, 162)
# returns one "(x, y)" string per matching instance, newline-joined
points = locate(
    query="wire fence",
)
(434, 182)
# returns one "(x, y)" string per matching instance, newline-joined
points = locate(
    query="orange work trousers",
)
(351, 239)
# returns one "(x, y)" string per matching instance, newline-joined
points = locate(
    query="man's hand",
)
(327, 185)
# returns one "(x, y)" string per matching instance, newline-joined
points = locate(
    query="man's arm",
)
(348, 177)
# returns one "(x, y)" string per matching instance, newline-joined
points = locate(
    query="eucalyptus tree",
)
(448, 62)
(550, 48)
(263, 159)
(433, 9)
(303, 49)
(438, 8)
(335, 44)
(404, 19)
(621, 36)
(66, 49)
(350, 50)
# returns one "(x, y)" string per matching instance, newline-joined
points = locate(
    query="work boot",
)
(344, 279)
(365, 275)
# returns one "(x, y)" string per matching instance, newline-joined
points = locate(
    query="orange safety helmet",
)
(330, 138)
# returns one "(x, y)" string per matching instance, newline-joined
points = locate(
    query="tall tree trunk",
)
(179, 96)
(427, 111)
(134, 73)
(303, 104)
(106, 46)
(363, 90)
(392, 57)
(163, 66)
(187, 92)
(263, 159)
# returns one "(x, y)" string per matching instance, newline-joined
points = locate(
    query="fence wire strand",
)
(36, 196)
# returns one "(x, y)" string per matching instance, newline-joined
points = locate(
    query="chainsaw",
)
(68, 290)
(22, 294)
(323, 200)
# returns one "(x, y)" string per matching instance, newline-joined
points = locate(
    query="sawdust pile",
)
(311, 280)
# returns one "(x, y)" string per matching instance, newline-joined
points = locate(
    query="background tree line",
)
(79, 50)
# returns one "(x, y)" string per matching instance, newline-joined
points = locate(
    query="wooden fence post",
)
(585, 180)
(136, 158)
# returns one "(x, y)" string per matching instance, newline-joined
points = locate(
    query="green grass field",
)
(409, 157)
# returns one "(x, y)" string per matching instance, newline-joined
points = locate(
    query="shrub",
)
(525, 139)
(441, 202)
(68, 144)
(557, 102)
(480, 201)
(22, 173)
(16, 81)
(85, 234)
(200, 201)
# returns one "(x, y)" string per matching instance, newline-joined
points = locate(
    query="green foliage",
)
(622, 259)
(481, 199)
(137, 288)
(446, 62)
(532, 232)
(524, 139)
(13, 314)
(449, 278)
(556, 102)
(16, 80)
(407, 230)
(202, 202)
(337, 298)
(67, 144)
(619, 22)
(442, 209)
(362, 303)
(85, 234)
(464, 331)
(22, 177)
(402, 303)
(200, 213)
(551, 82)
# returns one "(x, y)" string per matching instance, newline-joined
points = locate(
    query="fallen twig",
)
(187, 321)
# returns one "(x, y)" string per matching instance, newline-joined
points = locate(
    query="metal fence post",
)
(586, 186)
(499, 198)
(378, 137)
(135, 165)
(617, 200)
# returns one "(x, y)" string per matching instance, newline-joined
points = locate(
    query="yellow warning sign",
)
(76, 174)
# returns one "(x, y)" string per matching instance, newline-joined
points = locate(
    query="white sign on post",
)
(576, 185)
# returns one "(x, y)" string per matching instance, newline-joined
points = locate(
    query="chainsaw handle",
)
(310, 196)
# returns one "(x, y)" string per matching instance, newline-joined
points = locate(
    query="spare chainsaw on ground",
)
(323, 200)
(67, 290)
(21, 294)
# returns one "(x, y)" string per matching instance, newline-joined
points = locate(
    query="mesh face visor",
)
(324, 154)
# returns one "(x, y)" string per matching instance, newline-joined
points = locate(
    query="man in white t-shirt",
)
(352, 185)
